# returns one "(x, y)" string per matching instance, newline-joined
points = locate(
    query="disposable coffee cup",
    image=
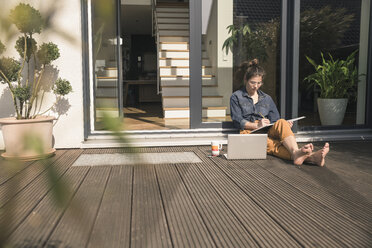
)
(216, 148)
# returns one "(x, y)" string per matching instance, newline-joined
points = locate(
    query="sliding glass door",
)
(106, 86)
(231, 33)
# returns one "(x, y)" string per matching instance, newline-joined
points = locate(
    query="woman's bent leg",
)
(276, 148)
(283, 132)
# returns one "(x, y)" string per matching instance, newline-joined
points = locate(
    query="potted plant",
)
(24, 79)
(336, 80)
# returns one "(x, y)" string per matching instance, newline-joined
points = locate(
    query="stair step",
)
(172, 15)
(172, 5)
(184, 81)
(173, 26)
(106, 92)
(183, 101)
(174, 45)
(171, 38)
(106, 83)
(112, 112)
(181, 70)
(164, 20)
(184, 90)
(185, 112)
(186, 76)
(179, 54)
(180, 62)
(174, 54)
(174, 32)
(106, 102)
(171, 9)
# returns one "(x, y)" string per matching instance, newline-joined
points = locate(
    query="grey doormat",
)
(136, 158)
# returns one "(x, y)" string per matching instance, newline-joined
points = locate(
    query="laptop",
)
(246, 146)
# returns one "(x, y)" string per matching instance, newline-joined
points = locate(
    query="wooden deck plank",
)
(348, 232)
(343, 172)
(149, 227)
(36, 228)
(303, 229)
(112, 227)
(186, 226)
(226, 229)
(24, 203)
(360, 214)
(19, 181)
(8, 169)
(265, 230)
(74, 228)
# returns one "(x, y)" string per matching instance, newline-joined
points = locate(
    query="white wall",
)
(220, 16)
(68, 130)
(224, 62)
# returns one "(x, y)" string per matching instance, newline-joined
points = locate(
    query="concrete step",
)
(173, 38)
(174, 32)
(185, 81)
(173, 26)
(180, 62)
(171, 113)
(181, 70)
(162, 20)
(174, 45)
(177, 90)
(172, 14)
(183, 101)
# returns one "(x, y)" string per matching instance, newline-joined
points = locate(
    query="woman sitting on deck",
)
(251, 108)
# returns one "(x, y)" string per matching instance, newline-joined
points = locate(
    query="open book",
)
(265, 129)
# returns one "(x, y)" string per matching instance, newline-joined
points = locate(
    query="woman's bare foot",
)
(300, 155)
(318, 157)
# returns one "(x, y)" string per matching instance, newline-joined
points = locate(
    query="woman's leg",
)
(276, 148)
(283, 132)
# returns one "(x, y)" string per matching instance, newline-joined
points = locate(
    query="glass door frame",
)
(88, 69)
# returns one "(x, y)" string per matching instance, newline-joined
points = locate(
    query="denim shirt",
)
(243, 110)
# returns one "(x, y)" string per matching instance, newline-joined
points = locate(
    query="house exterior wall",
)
(67, 35)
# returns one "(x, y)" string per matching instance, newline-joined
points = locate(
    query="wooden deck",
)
(216, 203)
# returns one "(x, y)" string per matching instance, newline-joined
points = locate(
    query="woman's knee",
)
(281, 121)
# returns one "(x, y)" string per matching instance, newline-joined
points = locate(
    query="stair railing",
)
(155, 33)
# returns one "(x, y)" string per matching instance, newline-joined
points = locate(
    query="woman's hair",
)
(249, 69)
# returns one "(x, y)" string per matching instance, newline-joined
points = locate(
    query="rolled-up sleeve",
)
(236, 113)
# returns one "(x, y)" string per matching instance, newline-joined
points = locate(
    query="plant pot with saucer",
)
(28, 134)
(336, 80)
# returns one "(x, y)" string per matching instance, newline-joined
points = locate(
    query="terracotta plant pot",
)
(15, 133)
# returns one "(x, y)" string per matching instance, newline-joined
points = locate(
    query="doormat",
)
(136, 158)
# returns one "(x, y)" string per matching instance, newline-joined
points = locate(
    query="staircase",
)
(173, 62)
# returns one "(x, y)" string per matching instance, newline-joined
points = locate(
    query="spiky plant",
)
(335, 78)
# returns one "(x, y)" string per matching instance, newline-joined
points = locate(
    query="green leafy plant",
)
(335, 78)
(255, 39)
(25, 88)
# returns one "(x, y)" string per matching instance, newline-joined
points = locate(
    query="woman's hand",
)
(290, 123)
(263, 122)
